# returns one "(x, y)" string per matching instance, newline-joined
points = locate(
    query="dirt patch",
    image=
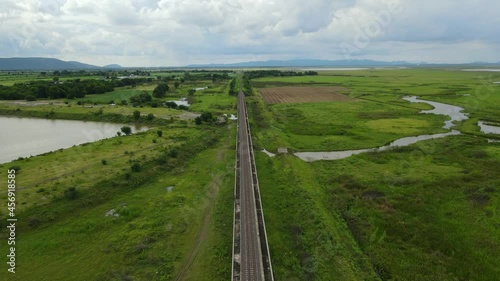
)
(304, 94)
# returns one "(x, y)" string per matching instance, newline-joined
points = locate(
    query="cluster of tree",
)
(161, 90)
(277, 73)
(247, 88)
(205, 117)
(141, 99)
(104, 73)
(54, 90)
(209, 76)
(171, 104)
(232, 88)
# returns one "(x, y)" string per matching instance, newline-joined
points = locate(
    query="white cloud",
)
(177, 32)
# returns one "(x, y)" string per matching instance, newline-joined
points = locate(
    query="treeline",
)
(232, 88)
(69, 89)
(246, 87)
(276, 73)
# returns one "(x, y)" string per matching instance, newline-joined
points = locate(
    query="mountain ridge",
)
(41, 63)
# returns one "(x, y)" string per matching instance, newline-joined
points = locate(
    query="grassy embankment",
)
(161, 233)
(158, 231)
(425, 212)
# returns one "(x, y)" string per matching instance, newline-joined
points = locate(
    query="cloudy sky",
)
(180, 32)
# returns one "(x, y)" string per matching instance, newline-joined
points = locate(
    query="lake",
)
(24, 137)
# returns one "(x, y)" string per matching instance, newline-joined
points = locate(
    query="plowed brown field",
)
(303, 94)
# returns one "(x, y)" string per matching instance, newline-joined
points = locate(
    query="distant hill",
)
(113, 66)
(309, 63)
(42, 64)
(339, 63)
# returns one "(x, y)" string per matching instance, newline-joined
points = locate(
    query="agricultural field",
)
(303, 94)
(427, 211)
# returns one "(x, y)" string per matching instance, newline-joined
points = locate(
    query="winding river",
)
(454, 112)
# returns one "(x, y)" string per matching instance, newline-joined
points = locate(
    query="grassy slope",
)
(306, 242)
(426, 212)
(156, 230)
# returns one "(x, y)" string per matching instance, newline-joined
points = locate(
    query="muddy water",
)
(336, 155)
(454, 112)
(488, 129)
(24, 137)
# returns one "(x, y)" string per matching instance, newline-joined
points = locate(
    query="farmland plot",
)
(303, 94)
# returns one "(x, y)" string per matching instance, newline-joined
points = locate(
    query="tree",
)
(159, 133)
(198, 120)
(143, 97)
(206, 117)
(137, 114)
(126, 130)
(191, 92)
(171, 104)
(160, 90)
(176, 84)
(150, 117)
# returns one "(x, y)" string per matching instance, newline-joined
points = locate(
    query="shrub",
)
(16, 168)
(137, 114)
(171, 104)
(150, 117)
(136, 167)
(104, 162)
(71, 193)
(126, 130)
(159, 133)
(33, 222)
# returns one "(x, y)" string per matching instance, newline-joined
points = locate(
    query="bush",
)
(173, 153)
(183, 107)
(15, 168)
(71, 193)
(136, 167)
(171, 104)
(159, 133)
(150, 117)
(33, 222)
(104, 162)
(126, 130)
(137, 114)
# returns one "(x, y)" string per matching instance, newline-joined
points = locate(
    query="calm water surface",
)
(454, 112)
(24, 137)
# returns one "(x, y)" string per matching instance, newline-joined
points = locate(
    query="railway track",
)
(251, 258)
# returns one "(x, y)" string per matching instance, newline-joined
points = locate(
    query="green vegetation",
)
(140, 225)
(158, 205)
(428, 211)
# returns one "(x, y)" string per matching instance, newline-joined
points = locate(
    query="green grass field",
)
(428, 211)
(160, 233)
(424, 212)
